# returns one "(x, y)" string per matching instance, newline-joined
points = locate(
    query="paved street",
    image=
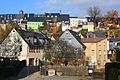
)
(57, 78)
(60, 78)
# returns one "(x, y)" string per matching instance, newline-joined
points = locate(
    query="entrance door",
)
(31, 61)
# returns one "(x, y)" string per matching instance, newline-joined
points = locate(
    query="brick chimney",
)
(87, 35)
(94, 35)
(108, 35)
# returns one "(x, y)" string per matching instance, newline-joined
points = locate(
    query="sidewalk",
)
(37, 76)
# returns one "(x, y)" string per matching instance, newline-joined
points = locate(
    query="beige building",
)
(96, 51)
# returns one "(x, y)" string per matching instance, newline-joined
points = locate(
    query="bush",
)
(112, 71)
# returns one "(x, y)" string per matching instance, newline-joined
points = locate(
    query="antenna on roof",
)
(60, 11)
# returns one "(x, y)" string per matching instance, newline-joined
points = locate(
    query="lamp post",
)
(45, 62)
(40, 66)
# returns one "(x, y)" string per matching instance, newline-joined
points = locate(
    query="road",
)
(60, 78)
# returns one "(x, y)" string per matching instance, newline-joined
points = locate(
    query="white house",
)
(74, 21)
(24, 45)
(78, 23)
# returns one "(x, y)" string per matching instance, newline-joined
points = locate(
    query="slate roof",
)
(77, 37)
(36, 19)
(60, 17)
(28, 35)
(52, 14)
(64, 17)
(98, 35)
(114, 39)
(91, 40)
(90, 19)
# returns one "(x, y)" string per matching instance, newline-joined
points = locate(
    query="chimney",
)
(108, 35)
(94, 35)
(87, 35)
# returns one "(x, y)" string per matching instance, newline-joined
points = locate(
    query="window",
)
(66, 32)
(35, 40)
(25, 18)
(92, 51)
(69, 40)
(104, 52)
(13, 30)
(56, 16)
(99, 62)
(104, 43)
(7, 16)
(52, 16)
(11, 16)
(4, 18)
(99, 43)
(100, 52)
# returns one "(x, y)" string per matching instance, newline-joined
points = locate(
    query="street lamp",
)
(90, 71)
(40, 66)
(45, 61)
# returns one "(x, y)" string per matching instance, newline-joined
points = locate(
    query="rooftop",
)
(91, 40)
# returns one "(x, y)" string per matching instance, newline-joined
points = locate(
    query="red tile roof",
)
(91, 40)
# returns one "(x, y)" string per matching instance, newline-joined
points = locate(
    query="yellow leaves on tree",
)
(8, 28)
(2, 33)
(52, 28)
(110, 18)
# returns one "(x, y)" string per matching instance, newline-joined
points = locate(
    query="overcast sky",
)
(72, 7)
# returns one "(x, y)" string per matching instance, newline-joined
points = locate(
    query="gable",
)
(12, 45)
(68, 37)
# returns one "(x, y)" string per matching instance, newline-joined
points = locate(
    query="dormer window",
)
(55, 15)
(66, 32)
(13, 30)
(52, 16)
(69, 40)
(35, 40)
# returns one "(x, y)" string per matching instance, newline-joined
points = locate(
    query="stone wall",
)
(70, 70)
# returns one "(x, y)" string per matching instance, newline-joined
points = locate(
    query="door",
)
(31, 61)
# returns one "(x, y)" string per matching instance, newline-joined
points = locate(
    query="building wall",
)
(36, 55)
(89, 27)
(34, 25)
(97, 53)
(90, 52)
(73, 22)
(102, 53)
(12, 44)
(65, 26)
(82, 19)
(24, 51)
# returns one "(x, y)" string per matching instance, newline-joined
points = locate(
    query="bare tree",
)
(95, 13)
